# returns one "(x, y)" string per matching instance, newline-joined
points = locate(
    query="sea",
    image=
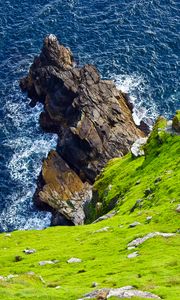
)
(136, 43)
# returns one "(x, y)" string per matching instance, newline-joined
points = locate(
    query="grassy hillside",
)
(142, 188)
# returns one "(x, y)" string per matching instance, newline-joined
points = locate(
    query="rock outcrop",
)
(93, 122)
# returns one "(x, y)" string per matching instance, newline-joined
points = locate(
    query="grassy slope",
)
(104, 254)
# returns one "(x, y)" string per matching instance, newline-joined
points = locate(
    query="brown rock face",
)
(91, 117)
(62, 189)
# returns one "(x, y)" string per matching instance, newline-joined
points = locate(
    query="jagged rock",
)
(91, 117)
(74, 260)
(124, 292)
(139, 241)
(137, 147)
(62, 189)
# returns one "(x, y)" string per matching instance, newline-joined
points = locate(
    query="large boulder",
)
(91, 117)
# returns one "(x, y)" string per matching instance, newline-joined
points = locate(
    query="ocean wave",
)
(136, 86)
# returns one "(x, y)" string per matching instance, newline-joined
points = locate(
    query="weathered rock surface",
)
(91, 117)
(124, 292)
(140, 241)
(137, 147)
(63, 189)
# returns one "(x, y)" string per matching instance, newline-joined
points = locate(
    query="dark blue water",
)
(134, 42)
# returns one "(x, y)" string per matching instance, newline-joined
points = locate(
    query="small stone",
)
(74, 260)
(131, 248)
(48, 262)
(138, 182)
(138, 204)
(134, 224)
(18, 258)
(94, 284)
(148, 219)
(105, 217)
(178, 208)
(31, 273)
(104, 229)
(7, 235)
(29, 251)
(134, 254)
(147, 192)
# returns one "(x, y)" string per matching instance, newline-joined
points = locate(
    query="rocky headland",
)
(93, 121)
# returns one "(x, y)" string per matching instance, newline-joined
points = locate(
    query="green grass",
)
(104, 254)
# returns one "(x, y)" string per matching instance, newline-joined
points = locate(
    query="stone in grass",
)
(134, 254)
(139, 241)
(148, 192)
(131, 248)
(48, 262)
(123, 292)
(148, 219)
(104, 229)
(8, 235)
(29, 251)
(18, 258)
(94, 284)
(134, 224)
(74, 260)
(178, 208)
(137, 147)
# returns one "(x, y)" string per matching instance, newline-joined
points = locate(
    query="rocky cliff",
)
(93, 122)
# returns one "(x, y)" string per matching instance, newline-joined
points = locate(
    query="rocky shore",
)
(93, 121)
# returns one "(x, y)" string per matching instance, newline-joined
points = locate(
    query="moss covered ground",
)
(140, 187)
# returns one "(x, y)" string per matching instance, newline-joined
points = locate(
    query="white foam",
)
(135, 86)
(28, 145)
